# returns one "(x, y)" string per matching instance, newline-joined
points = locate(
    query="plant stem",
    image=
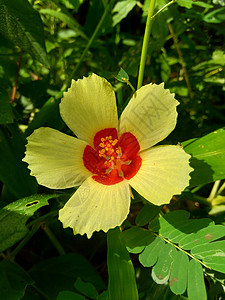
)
(53, 239)
(110, 4)
(24, 241)
(214, 190)
(221, 189)
(14, 89)
(186, 77)
(128, 83)
(144, 50)
(162, 8)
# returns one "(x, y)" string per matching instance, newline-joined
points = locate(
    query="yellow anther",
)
(114, 142)
(102, 139)
(102, 145)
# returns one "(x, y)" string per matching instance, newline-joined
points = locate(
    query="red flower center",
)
(112, 160)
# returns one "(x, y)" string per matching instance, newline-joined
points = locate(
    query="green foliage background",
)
(176, 251)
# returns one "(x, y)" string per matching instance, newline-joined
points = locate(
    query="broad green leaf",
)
(208, 157)
(122, 76)
(122, 283)
(13, 281)
(148, 212)
(13, 172)
(14, 216)
(161, 270)
(86, 288)
(179, 272)
(203, 236)
(150, 254)
(59, 274)
(196, 286)
(68, 295)
(137, 238)
(5, 108)
(122, 9)
(21, 24)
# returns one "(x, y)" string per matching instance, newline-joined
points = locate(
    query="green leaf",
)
(68, 295)
(59, 274)
(137, 238)
(196, 286)
(13, 172)
(179, 272)
(14, 216)
(86, 288)
(208, 157)
(213, 254)
(5, 108)
(21, 24)
(189, 3)
(150, 254)
(148, 212)
(161, 270)
(67, 19)
(216, 16)
(203, 236)
(122, 76)
(122, 9)
(13, 281)
(122, 283)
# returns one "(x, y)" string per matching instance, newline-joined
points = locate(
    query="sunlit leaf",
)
(14, 216)
(196, 286)
(208, 157)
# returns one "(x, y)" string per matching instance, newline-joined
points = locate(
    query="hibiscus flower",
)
(108, 156)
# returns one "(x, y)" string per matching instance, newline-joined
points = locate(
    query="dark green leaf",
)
(59, 274)
(5, 108)
(14, 216)
(21, 24)
(13, 281)
(137, 238)
(13, 172)
(148, 212)
(122, 283)
(86, 288)
(68, 295)
(208, 157)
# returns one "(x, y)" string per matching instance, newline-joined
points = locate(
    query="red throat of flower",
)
(112, 160)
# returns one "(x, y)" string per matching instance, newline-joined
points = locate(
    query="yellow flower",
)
(109, 155)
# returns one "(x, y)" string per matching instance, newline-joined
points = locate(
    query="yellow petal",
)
(164, 172)
(89, 106)
(95, 207)
(55, 158)
(150, 115)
